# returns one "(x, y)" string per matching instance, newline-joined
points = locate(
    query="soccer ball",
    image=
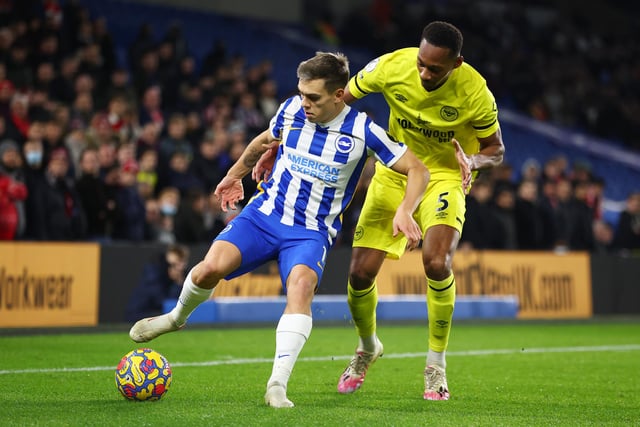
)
(143, 374)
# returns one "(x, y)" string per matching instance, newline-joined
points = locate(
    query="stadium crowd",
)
(95, 150)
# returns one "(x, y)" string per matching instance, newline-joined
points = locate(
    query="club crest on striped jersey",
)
(344, 144)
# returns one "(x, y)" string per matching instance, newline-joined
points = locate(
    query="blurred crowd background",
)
(106, 142)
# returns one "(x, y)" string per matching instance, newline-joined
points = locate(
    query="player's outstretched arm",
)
(230, 191)
(417, 180)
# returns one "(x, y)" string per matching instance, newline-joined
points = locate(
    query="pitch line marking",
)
(462, 353)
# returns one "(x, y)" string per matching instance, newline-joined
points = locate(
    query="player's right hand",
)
(464, 161)
(404, 223)
(229, 192)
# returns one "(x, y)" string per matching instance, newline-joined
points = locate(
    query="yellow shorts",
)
(443, 203)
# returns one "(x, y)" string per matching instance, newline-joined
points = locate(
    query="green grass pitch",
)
(500, 374)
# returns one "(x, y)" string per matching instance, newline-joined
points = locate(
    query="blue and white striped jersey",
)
(318, 166)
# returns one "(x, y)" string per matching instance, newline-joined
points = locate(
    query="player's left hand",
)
(262, 170)
(404, 223)
(464, 162)
(229, 192)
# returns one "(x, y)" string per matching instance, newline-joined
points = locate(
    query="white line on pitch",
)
(236, 361)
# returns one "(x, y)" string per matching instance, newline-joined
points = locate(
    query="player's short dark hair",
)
(444, 34)
(333, 68)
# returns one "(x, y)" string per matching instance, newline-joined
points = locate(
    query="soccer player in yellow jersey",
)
(442, 109)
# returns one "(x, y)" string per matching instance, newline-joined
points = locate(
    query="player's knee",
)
(360, 279)
(437, 268)
(300, 293)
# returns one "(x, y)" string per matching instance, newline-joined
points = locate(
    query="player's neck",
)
(339, 108)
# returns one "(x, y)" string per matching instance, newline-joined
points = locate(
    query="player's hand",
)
(404, 223)
(263, 168)
(464, 162)
(229, 192)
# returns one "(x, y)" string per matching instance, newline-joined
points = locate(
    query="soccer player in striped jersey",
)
(322, 146)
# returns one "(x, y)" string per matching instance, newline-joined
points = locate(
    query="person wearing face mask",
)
(33, 154)
(13, 192)
(168, 201)
(55, 211)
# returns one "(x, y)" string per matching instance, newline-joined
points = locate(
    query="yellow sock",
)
(441, 297)
(363, 309)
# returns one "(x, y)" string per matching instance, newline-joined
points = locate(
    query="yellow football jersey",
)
(463, 108)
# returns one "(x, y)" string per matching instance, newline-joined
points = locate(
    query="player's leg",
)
(231, 254)
(442, 214)
(362, 297)
(304, 260)
(373, 242)
(438, 249)
(221, 259)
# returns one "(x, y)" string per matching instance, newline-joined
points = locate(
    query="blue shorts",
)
(261, 239)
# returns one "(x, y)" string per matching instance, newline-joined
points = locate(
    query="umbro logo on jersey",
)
(400, 97)
(422, 122)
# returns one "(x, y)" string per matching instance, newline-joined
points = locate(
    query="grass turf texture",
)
(519, 374)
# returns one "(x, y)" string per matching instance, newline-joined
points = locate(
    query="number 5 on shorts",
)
(444, 204)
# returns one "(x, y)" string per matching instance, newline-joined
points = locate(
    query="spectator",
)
(161, 279)
(97, 201)
(249, 115)
(62, 87)
(152, 220)
(481, 227)
(627, 233)
(56, 210)
(195, 130)
(175, 140)
(33, 153)
(108, 161)
(148, 175)
(7, 90)
(130, 222)
(603, 234)
(148, 139)
(574, 218)
(18, 124)
(120, 86)
(180, 175)
(13, 191)
(190, 227)
(82, 111)
(169, 203)
(504, 210)
(212, 160)
(267, 98)
(151, 106)
(528, 216)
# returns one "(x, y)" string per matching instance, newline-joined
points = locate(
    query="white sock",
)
(190, 298)
(436, 358)
(291, 335)
(368, 344)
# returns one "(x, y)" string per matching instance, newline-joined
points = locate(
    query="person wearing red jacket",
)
(12, 191)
